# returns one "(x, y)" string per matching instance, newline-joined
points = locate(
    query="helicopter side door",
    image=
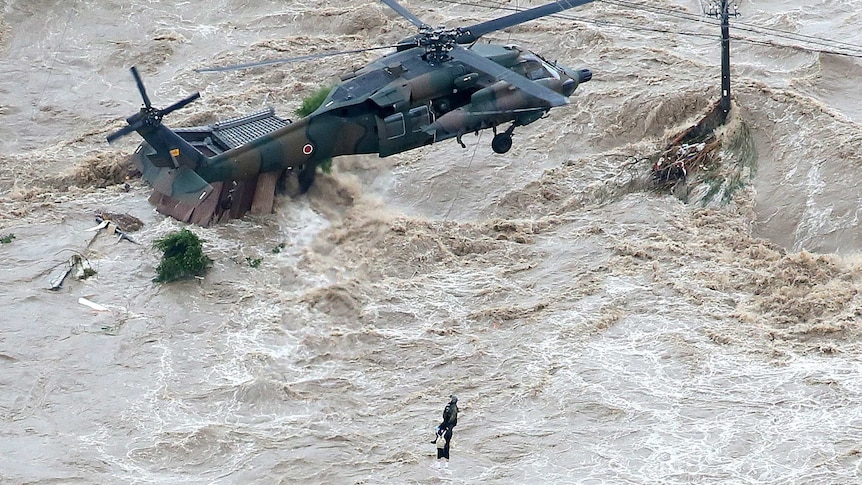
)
(405, 130)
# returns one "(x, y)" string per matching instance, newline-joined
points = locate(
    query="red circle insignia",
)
(308, 148)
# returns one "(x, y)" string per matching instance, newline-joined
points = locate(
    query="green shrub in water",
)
(326, 166)
(183, 257)
(313, 102)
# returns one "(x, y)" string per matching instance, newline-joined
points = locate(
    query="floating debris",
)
(677, 160)
(57, 281)
(695, 148)
(126, 222)
(78, 265)
(95, 306)
(118, 225)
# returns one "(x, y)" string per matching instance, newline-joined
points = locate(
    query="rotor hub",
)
(438, 42)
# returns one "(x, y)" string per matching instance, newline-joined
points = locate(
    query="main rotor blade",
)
(308, 57)
(405, 13)
(141, 88)
(493, 69)
(470, 34)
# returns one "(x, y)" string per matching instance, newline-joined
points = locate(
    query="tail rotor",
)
(148, 116)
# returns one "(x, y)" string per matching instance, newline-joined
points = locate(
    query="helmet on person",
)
(453, 398)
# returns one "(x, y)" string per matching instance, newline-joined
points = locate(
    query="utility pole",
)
(721, 9)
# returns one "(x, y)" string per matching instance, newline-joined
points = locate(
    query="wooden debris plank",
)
(264, 194)
(242, 197)
(205, 213)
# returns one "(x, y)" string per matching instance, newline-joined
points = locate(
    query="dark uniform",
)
(450, 420)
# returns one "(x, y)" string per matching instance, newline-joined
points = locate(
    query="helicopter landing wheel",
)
(501, 143)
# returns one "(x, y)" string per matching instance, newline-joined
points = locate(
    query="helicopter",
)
(431, 88)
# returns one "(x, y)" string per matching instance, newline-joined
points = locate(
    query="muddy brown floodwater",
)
(594, 329)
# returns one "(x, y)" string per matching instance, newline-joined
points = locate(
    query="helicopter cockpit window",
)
(535, 68)
(394, 125)
(539, 73)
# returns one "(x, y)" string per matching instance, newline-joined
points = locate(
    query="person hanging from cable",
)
(443, 439)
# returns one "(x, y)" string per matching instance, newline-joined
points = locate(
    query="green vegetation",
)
(278, 248)
(715, 181)
(7, 238)
(736, 172)
(254, 262)
(183, 257)
(313, 102)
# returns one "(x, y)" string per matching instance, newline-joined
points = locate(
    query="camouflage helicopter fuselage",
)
(430, 89)
(397, 103)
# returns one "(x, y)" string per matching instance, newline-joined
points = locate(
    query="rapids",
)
(595, 330)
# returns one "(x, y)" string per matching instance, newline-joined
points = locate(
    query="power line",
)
(769, 43)
(500, 6)
(797, 37)
(746, 27)
(806, 37)
(831, 46)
